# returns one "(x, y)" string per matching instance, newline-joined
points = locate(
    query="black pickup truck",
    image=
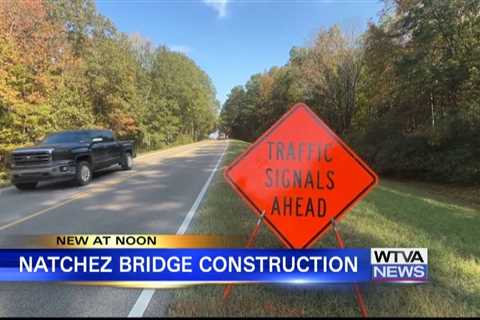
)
(72, 155)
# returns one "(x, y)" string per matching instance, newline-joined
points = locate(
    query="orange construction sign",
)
(302, 175)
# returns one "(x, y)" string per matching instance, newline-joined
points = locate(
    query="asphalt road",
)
(158, 196)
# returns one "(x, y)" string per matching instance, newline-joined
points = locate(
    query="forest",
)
(404, 94)
(65, 66)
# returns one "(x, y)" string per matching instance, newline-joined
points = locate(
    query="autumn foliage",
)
(405, 93)
(64, 66)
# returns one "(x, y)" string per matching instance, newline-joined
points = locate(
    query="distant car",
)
(72, 155)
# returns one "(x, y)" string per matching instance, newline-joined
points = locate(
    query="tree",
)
(64, 66)
(33, 56)
(405, 94)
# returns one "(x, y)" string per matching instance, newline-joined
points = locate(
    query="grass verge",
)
(395, 214)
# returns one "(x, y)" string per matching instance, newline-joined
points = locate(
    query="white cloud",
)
(182, 49)
(218, 5)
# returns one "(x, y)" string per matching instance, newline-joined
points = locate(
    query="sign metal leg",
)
(250, 242)
(356, 288)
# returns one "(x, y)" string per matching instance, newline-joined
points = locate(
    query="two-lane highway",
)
(159, 196)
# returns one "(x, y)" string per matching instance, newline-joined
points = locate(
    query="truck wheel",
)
(83, 176)
(26, 186)
(127, 162)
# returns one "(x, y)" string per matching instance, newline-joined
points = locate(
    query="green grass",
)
(394, 214)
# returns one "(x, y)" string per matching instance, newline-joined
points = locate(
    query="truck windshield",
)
(67, 137)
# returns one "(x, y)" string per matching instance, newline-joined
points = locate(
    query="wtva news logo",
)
(406, 265)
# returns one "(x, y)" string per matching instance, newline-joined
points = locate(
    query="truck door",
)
(99, 150)
(113, 148)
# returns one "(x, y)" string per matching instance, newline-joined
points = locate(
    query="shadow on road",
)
(62, 184)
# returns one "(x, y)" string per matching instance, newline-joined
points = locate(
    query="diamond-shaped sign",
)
(302, 175)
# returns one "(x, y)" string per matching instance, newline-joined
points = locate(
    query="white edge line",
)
(142, 303)
(186, 222)
(146, 295)
(140, 157)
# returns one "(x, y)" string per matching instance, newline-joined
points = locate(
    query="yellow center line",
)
(33, 215)
(96, 189)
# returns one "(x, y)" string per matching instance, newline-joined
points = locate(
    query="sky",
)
(234, 39)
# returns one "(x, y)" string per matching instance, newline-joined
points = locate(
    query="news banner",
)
(120, 260)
